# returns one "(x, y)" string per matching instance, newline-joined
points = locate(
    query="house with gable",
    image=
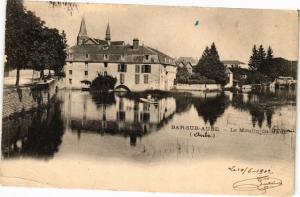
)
(136, 67)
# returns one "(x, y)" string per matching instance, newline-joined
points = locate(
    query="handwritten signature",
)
(260, 184)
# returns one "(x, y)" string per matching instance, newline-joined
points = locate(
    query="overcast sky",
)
(172, 29)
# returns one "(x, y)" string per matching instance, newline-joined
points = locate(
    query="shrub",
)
(196, 78)
(103, 83)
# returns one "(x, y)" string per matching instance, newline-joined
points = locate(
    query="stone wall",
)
(26, 98)
(198, 87)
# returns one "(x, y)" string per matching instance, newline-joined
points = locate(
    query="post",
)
(18, 77)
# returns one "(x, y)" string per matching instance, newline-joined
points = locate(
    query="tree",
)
(30, 44)
(210, 65)
(103, 83)
(15, 44)
(50, 51)
(261, 58)
(253, 62)
(269, 53)
(267, 67)
(182, 75)
(204, 56)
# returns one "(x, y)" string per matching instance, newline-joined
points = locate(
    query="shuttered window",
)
(137, 68)
(146, 78)
(122, 67)
(137, 79)
(146, 68)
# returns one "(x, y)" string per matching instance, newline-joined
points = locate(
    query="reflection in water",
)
(211, 108)
(126, 117)
(37, 133)
(111, 117)
(261, 105)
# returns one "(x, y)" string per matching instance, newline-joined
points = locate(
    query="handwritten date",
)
(249, 170)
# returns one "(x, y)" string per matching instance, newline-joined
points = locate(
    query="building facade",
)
(234, 63)
(136, 67)
(188, 66)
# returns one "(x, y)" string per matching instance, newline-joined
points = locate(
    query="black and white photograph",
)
(149, 98)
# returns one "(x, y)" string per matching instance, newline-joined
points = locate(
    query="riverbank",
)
(27, 97)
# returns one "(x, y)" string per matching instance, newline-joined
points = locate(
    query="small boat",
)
(151, 101)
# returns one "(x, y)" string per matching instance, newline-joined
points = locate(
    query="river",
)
(196, 128)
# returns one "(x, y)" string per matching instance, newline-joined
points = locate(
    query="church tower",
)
(107, 34)
(82, 35)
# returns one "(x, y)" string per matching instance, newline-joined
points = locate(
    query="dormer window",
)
(105, 47)
(147, 57)
(105, 56)
(87, 56)
(70, 55)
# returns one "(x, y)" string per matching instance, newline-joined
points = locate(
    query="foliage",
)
(182, 75)
(15, 45)
(282, 67)
(29, 43)
(210, 65)
(196, 78)
(240, 74)
(261, 58)
(103, 83)
(268, 66)
(255, 77)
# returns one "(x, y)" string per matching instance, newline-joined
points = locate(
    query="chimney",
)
(135, 43)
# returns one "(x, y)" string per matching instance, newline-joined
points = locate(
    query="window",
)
(70, 81)
(122, 78)
(137, 79)
(146, 68)
(105, 56)
(70, 72)
(137, 68)
(146, 78)
(86, 64)
(105, 64)
(122, 67)
(86, 73)
(105, 73)
(87, 56)
(147, 57)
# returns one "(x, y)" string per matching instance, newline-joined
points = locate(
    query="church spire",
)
(82, 31)
(82, 35)
(107, 34)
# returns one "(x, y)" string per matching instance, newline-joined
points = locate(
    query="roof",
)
(228, 71)
(192, 60)
(117, 51)
(184, 63)
(232, 62)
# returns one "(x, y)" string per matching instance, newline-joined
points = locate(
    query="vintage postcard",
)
(149, 98)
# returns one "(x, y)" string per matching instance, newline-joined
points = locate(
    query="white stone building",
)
(136, 67)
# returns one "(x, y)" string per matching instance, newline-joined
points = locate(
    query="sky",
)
(172, 30)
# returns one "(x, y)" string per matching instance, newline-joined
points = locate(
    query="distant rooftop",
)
(232, 62)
